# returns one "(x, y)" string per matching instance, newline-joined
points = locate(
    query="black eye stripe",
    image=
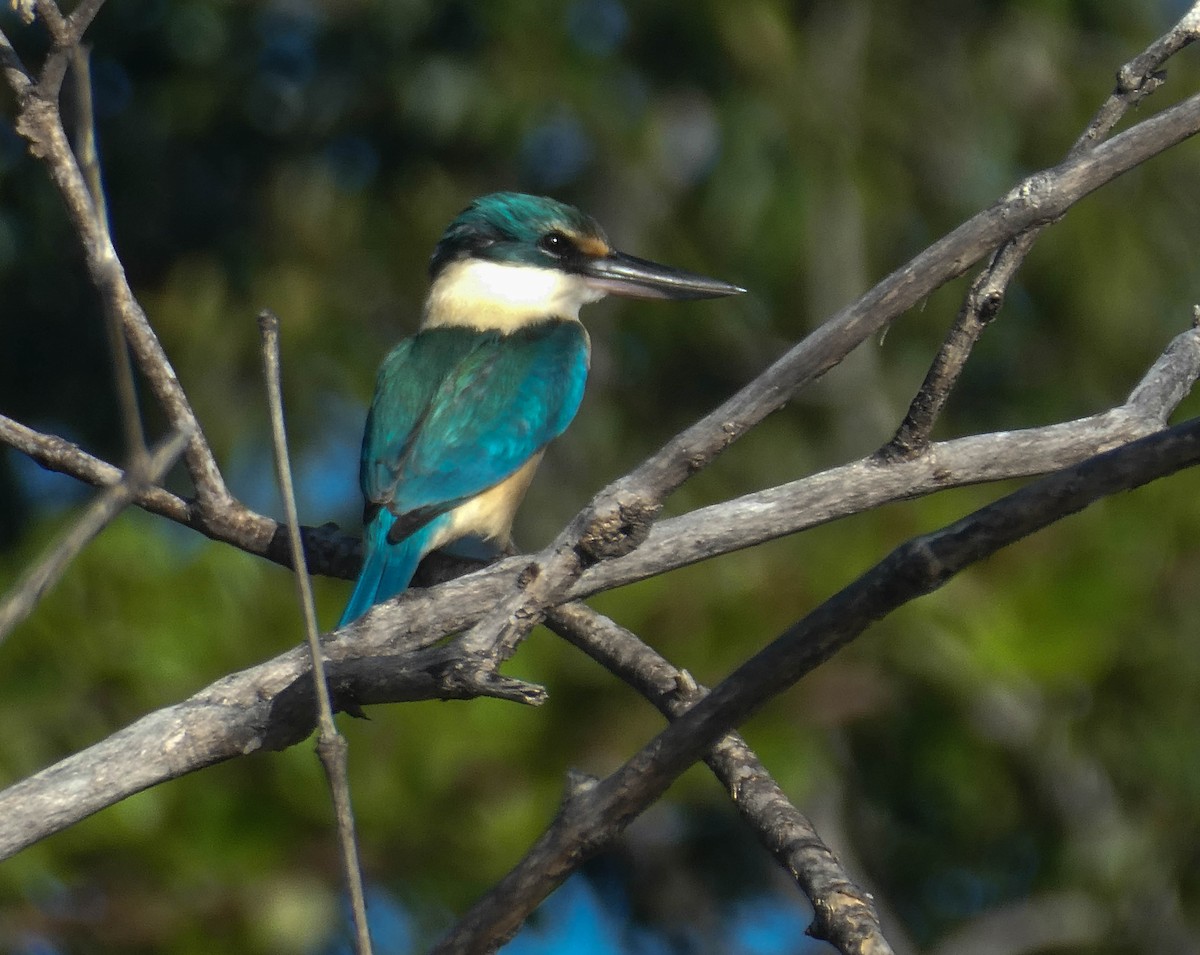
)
(557, 245)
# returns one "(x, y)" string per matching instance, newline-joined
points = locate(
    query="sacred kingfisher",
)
(464, 409)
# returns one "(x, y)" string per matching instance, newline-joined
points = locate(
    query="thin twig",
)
(39, 121)
(1136, 80)
(57, 454)
(331, 745)
(981, 304)
(844, 915)
(88, 158)
(25, 594)
(329, 551)
(86, 152)
(593, 816)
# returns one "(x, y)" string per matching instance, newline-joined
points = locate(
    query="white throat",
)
(498, 295)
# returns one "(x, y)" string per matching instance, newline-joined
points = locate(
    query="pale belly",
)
(489, 515)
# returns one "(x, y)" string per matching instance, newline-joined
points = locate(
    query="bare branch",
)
(595, 815)
(269, 706)
(982, 303)
(844, 915)
(618, 518)
(865, 484)
(1136, 80)
(82, 16)
(331, 552)
(89, 162)
(15, 74)
(86, 153)
(331, 745)
(56, 24)
(39, 578)
(65, 457)
(699, 535)
(40, 123)
(1140, 77)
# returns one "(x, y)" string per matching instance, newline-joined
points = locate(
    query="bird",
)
(464, 409)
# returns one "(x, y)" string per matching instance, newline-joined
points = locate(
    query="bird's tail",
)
(387, 568)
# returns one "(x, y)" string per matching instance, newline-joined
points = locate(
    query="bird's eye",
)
(556, 244)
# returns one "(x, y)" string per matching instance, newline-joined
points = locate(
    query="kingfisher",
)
(463, 410)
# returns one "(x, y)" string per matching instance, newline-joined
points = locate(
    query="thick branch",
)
(371, 656)
(270, 706)
(838, 492)
(595, 815)
(699, 535)
(620, 516)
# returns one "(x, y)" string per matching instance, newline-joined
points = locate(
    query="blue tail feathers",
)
(387, 568)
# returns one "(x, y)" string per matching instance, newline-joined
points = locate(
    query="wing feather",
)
(456, 411)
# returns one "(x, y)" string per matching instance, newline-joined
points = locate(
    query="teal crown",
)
(512, 227)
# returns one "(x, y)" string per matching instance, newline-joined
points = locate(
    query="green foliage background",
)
(1029, 728)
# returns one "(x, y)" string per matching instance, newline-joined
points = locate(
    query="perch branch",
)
(700, 534)
(617, 520)
(391, 656)
(849, 489)
(594, 815)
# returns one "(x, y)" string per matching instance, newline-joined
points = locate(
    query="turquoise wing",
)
(457, 411)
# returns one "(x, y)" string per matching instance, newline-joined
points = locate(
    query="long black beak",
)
(621, 274)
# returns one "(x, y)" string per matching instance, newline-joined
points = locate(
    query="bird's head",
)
(531, 254)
